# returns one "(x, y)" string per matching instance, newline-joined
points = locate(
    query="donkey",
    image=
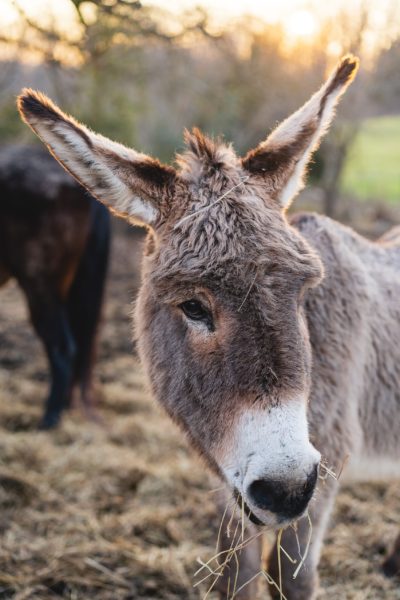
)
(272, 342)
(54, 240)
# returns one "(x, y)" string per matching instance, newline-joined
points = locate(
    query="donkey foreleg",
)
(50, 321)
(4, 275)
(391, 566)
(294, 559)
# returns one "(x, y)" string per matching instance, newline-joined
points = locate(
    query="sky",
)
(296, 14)
(268, 10)
(299, 18)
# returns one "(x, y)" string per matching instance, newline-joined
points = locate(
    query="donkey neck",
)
(354, 325)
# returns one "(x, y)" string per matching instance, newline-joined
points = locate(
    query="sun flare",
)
(301, 23)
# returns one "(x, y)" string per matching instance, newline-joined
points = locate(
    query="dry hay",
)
(123, 510)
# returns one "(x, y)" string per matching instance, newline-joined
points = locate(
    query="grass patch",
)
(373, 166)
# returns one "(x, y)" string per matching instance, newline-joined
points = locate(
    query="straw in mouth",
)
(246, 508)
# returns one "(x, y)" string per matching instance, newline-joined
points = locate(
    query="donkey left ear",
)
(282, 158)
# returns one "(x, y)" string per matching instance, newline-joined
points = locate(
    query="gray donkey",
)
(272, 342)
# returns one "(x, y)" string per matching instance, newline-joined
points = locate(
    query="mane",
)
(206, 158)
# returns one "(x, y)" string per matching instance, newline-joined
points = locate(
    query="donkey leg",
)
(4, 275)
(309, 533)
(391, 565)
(85, 300)
(50, 321)
(239, 575)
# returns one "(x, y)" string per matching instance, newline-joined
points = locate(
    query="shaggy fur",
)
(303, 312)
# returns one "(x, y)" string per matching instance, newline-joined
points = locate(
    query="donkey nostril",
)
(288, 499)
(261, 493)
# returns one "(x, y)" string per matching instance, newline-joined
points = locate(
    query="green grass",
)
(373, 166)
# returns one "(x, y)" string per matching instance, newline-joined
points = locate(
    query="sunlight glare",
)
(8, 16)
(301, 23)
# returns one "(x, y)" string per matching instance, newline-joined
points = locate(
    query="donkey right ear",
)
(134, 186)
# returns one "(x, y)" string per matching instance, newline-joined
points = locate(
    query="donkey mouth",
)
(285, 504)
(246, 509)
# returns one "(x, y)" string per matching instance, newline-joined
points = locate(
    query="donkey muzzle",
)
(272, 463)
(286, 500)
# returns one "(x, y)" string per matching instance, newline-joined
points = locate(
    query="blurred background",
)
(122, 509)
(140, 72)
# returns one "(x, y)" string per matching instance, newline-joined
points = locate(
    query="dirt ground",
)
(123, 510)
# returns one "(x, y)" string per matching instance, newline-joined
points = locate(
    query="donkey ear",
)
(282, 158)
(133, 185)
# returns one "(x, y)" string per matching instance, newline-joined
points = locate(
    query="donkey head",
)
(219, 318)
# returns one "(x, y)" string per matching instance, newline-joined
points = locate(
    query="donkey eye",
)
(194, 310)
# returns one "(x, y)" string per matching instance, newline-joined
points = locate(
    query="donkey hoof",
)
(391, 566)
(49, 421)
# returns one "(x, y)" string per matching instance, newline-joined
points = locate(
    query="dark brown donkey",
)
(271, 342)
(54, 239)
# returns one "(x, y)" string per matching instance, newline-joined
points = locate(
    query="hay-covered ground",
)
(122, 510)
